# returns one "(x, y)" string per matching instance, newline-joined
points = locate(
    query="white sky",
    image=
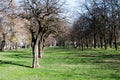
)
(72, 3)
(73, 6)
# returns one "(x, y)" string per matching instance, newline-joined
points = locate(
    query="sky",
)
(73, 3)
(73, 7)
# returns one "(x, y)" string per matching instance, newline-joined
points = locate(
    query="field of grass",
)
(61, 64)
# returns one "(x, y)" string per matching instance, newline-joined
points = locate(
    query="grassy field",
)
(61, 64)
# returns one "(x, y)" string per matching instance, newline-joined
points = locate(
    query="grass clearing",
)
(61, 64)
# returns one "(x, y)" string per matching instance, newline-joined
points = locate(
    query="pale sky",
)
(73, 7)
(72, 3)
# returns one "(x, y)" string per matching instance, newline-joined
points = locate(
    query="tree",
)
(43, 17)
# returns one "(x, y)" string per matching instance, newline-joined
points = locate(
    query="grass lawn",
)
(61, 64)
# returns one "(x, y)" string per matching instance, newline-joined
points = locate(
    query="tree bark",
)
(2, 45)
(35, 63)
(101, 42)
(41, 50)
(115, 40)
(105, 43)
(94, 40)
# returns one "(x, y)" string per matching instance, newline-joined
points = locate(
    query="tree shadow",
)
(101, 61)
(13, 63)
(15, 51)
(94, 58)
(115, 76)
(19, 55)
(16, 55)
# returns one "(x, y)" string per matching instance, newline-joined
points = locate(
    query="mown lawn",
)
(61, 64)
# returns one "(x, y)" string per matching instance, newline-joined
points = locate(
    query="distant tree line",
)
(99, 25)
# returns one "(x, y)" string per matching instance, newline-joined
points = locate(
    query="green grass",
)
(61, 64)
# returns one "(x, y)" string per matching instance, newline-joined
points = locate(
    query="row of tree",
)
(98, 25)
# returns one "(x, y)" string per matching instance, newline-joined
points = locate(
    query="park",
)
(59, 40)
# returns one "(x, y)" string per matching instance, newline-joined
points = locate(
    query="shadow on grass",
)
(94, 58)
(57, 50)
(115, 76)
(103, 62)
(17, 55)
(13, 63)
(15, 51)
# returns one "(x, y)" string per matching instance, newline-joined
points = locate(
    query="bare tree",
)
(43, 17)
(100, 23)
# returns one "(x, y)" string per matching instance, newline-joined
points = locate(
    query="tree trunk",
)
(110, 43)
(82, 44)
(110, 39)
(2, 45)
(105, 43)
(41, 50)
(86, 42)
(115, 43)
(35, 63)
(115, 40)
(101, 42)
(94, 40)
